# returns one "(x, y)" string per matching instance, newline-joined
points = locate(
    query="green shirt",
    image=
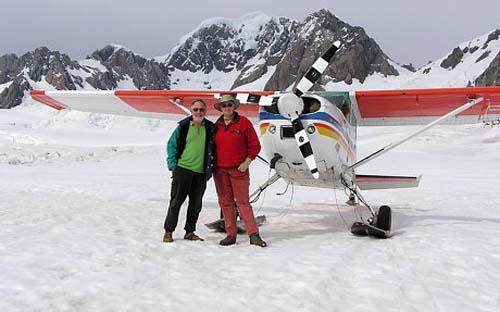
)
(193, 156)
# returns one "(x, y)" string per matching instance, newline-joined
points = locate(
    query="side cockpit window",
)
(345, 109)
(311, 105)
(273, 109)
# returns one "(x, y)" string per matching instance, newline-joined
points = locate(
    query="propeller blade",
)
(261, 100)
(305, 146)
(316, 70)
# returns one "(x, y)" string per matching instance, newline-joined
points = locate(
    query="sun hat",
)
(226, 98)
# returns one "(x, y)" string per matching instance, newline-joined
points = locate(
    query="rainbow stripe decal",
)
(263, 127)
(335, 132)
(331, 132)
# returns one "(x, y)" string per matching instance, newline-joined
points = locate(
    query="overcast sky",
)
(408, 31)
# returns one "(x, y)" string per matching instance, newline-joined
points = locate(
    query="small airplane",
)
(309, 137)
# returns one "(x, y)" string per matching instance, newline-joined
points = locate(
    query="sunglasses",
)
(196, 109)
(228, 104)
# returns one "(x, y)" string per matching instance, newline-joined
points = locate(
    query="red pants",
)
(233, 185)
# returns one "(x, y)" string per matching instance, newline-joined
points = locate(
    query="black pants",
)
(185, 183)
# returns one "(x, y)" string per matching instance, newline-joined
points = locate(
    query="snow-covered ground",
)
(83, 200)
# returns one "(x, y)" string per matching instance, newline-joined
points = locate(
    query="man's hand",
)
(244, 165)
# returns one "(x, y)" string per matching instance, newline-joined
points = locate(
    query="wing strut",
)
(185, 110)
(389, 147)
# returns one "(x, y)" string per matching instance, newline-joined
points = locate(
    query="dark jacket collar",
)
(188, 119)
(236, 117)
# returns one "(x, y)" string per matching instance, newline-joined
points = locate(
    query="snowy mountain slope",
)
(253, 52)
(269, 51)
(109, 68)
(242, 48)
(463, 66)
(472, 63)
(83, 209)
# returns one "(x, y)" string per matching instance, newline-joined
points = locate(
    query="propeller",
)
(290, 106)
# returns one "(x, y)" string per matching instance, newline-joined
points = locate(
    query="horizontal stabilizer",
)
(377, 182)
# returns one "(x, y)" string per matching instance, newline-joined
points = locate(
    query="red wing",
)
(419, 106)
(143, 103)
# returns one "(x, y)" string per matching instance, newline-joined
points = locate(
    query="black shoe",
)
(167, 238)
(229, 240)
(256, 240)
(192, 237)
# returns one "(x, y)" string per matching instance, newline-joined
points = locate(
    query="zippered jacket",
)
(177, 142)
(235, 142)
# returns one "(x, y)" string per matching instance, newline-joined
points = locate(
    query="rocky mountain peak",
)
(492, 36)
(124, 65)
(52, 66)
(453, 59)
(10, 66)
(324, 17)
(358, 57)
(117, 55)
(491, 76)
(277, 49)
(222, 44)
(103, 54)
(409, 67)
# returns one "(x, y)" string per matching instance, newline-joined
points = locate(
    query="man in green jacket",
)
(190, 157)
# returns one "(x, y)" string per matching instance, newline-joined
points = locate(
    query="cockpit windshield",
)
(311, 105)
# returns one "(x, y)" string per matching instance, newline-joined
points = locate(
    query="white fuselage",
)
(332, 139)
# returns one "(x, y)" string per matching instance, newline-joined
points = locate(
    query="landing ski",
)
(219, 226)
(365, 229)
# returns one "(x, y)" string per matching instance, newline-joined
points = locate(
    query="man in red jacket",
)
(236, 145)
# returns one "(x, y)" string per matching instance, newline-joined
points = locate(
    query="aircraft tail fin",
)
(377, 182)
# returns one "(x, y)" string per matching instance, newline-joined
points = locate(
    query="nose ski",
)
(379, 226)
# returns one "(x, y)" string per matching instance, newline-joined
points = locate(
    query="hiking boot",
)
(167, 238)
(256, 240)
(192, 237)
(229, 240)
